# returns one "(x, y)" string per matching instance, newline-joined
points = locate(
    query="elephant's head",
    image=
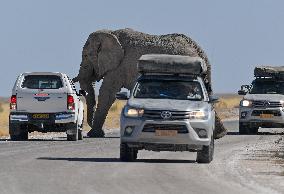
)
(101, 53)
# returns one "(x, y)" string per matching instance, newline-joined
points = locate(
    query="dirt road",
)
(92, 166)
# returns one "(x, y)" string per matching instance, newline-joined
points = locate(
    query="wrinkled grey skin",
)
(112, 56)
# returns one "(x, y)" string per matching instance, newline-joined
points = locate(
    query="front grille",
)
(259, 112)
(154, 127)
(268, 104)
(156, 114)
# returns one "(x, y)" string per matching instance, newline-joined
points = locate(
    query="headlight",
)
(246, 103)
(203, 115)
(282, 103)
(133, 112)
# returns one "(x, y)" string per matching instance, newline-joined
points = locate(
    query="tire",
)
(80, 135)
(242, 129)
(17, 133)
(253, 131)
(246, 130)
(74, 137)
(127, 154)
(206, 154)
(220, 130)
(20, 137)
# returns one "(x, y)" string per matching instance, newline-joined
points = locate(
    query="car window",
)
(267, 87)
(42, 82)
(171, 89)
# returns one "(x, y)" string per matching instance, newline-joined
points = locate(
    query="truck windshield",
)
(168, 89)
(42, 82)
(271, 87)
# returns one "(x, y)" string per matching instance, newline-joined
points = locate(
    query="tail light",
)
(70, 102)
(13, 102)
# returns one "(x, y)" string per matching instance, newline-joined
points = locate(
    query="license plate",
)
(266, 116)
(168, 133)
(40, 116)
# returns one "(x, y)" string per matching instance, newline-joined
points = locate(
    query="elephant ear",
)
(109, 52)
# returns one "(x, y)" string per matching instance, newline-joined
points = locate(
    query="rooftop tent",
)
(173, 64)
(269, 71)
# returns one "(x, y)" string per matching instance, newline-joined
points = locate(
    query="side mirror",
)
(213, 99)
(244, 89)
(122, 96)
(242, 92)
(82, 93)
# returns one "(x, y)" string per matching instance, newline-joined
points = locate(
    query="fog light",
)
(243, 115)
(202, 133)
(128, 131)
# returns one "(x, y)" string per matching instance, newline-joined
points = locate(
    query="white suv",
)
(45, 102)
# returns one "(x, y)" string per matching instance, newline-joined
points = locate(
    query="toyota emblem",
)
(266, 104)
(166, 114)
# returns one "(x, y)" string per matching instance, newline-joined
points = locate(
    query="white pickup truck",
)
(45, 102)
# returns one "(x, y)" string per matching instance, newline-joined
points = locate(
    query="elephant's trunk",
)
(87, 77)
(90, 100)
(76, 79)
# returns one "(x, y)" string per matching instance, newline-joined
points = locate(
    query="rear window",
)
(42, 82)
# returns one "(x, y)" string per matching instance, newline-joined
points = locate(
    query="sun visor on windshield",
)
(172, 64)
(269, 71)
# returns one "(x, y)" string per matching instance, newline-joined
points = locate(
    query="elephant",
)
(112, 56)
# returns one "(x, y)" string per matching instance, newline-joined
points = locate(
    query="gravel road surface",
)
(50, 164)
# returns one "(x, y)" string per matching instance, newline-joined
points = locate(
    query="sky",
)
(37, 35)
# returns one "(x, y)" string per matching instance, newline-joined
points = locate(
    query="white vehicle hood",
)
(269, 97)
(167, 104)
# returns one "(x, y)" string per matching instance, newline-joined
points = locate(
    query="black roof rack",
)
(272, 72)
(171, 64)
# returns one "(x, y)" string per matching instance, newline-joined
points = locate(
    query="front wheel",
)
(242, 129)
(80, 135)
(127, 154)
(246, 129)
(206, 154)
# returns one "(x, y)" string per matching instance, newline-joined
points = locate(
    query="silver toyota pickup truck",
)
(45, 102)
(263, 101)
(169, 109)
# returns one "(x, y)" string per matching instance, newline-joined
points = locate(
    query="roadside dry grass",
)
(112, 120)
(4, 119)
(226, 108)
(228, 101)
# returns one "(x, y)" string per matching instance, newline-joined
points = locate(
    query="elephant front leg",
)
(110, 86)
(90, 100)
(220, 130)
